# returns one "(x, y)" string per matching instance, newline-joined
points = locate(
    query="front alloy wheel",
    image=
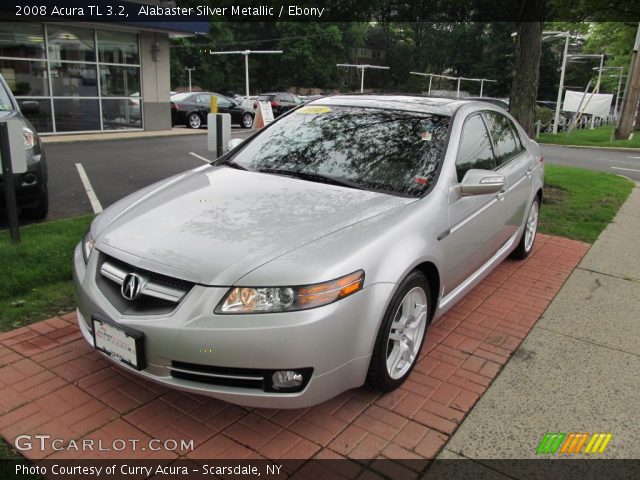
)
(194, 121)
(247, 120)
(401, 334)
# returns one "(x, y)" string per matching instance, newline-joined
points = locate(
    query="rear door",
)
(515, 163)
(474, 223)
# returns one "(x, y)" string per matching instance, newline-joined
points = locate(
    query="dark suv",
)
(31, 186)
(281, 102)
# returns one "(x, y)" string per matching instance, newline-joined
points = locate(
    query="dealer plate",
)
(123, 344)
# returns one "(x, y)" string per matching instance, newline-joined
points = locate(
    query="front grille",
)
(252, 378)
(159, 294)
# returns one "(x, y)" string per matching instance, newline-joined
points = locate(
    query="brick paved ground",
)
(51, 382)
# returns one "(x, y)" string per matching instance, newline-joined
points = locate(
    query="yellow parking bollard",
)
(214, 104)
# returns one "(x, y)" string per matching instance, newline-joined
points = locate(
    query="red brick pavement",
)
(52, 382)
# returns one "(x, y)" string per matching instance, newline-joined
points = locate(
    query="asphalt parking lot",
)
(116, 168)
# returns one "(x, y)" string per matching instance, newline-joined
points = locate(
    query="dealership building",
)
(92, 77)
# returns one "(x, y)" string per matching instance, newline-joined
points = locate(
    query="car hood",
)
(217, 224)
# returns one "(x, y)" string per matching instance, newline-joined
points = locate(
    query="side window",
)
(475, 148)
(202, 99)
(223, 102)
(506, 142)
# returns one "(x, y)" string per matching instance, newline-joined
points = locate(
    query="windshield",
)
(384, 150)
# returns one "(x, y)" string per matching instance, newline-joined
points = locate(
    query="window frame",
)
(478, 113)
(515, 132)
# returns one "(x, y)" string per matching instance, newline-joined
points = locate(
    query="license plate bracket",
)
(121, 343)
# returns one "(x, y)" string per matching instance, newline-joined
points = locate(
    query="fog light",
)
(286, 379)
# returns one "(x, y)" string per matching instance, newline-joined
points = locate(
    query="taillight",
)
(541, 159)
(173, 106)
(255, 105)
(275, 104)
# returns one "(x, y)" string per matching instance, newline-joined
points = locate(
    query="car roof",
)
(416, 103)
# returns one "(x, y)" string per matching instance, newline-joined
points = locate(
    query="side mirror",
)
(234, 142)
(30, 107)
(481, 182)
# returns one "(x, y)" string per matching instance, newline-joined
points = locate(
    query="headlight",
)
(288, 299)
(87, 245)
(29, 138)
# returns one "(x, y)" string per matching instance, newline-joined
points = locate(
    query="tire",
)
(194, 121)
(41, 210)
(247, 120)
(396, 353)
(525, 246)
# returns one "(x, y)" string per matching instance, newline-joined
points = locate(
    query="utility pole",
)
(631, 95)
(362, 68)
(246, 54)
(188, 69)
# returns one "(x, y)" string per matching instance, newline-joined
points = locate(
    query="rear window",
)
(391, 151)
(266, 98)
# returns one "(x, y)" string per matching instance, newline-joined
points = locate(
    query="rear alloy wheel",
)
(247, 120)
(194, 121)
(525, 246)
(401, 334)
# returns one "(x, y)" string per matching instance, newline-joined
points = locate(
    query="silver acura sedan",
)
(311, 258)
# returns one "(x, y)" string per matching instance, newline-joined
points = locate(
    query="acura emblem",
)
(131, 286)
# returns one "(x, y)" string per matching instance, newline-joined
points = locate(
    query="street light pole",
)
(188, 69)
(246, 54)
(362, 68)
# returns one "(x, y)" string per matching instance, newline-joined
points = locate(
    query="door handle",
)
(529, 173)
(501, 195)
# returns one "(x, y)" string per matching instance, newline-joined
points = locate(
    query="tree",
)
(526, 72)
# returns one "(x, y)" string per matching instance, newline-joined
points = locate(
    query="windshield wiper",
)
(313, 177)
(229, 163)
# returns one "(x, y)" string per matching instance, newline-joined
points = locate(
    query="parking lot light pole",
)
(188, 69)
(246, 54)
(362, 68)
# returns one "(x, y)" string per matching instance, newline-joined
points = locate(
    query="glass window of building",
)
(43, 120)
(74, 80)
(26, 77)
(76, 114)
(23, 40)
(116, 81)
(118, 47)
(121, 113)
(71, 44)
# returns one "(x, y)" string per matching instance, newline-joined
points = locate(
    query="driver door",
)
(474, 220)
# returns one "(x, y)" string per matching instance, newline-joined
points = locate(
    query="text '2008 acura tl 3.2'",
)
(311, 258)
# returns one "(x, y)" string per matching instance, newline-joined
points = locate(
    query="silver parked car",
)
(312, 257)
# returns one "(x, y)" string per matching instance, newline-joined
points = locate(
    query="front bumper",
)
(335, 340)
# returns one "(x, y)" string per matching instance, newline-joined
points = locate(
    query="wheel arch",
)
(429, 270)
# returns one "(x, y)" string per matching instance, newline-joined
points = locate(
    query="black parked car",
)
(191, 109)
(31, 186)
(281, 102)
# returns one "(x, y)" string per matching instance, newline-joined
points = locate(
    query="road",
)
(625, 163)
(117, 168)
